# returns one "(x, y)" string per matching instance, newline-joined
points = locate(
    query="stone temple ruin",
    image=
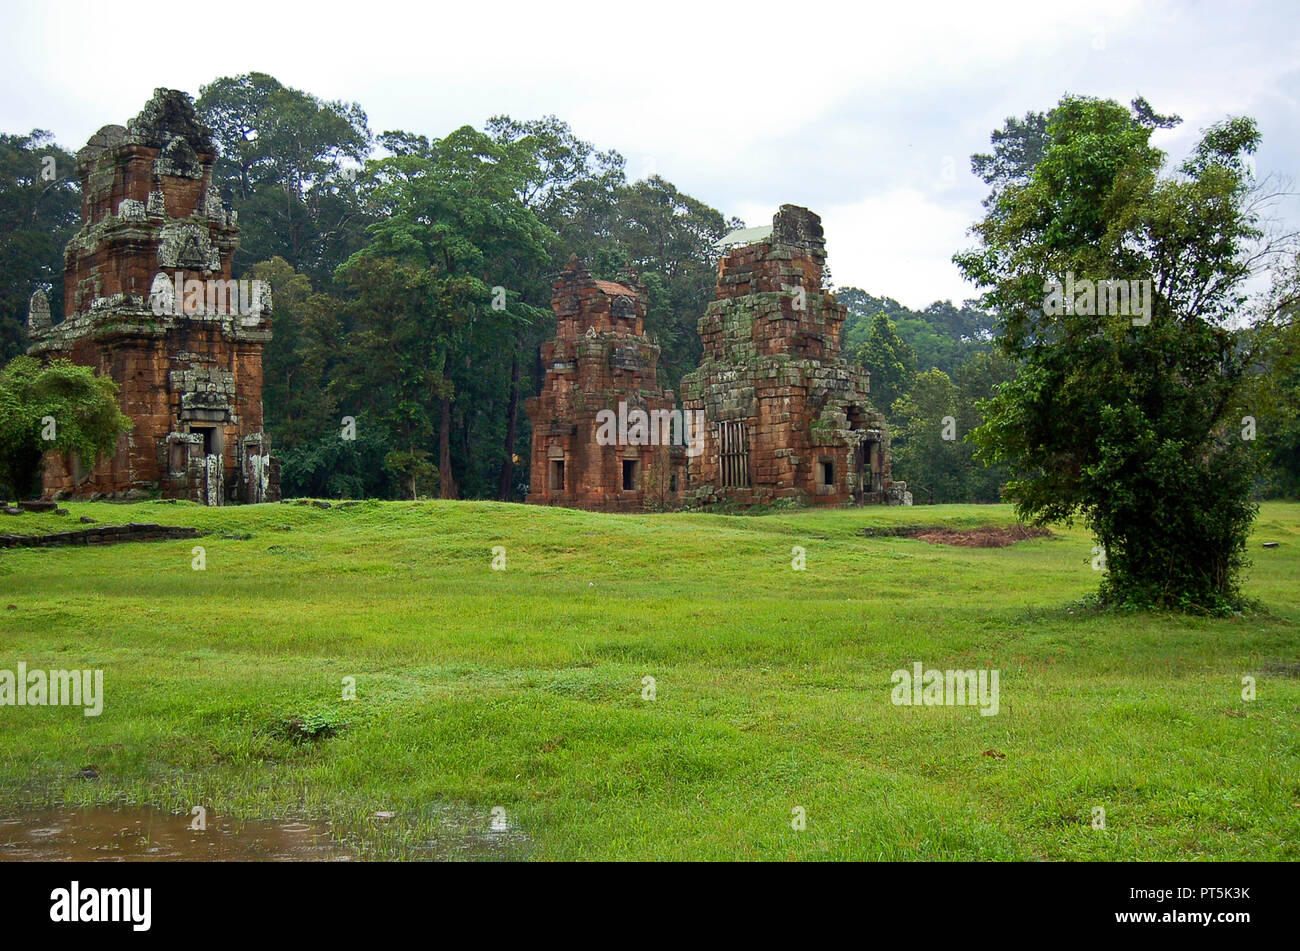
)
(787, 417)
(151, 304)
(601, 372)
(779, 413)
(772, 412)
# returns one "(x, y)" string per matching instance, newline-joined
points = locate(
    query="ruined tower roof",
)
(796, 226)
(151, 213)
(792, 225)
(615, 289)
(168, 115)
(743, 236)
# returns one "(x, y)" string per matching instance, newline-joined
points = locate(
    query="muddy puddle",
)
(142, 835)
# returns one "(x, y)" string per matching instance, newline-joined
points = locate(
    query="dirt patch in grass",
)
(1285, 669)
(986, 536)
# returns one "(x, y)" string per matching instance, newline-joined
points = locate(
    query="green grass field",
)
(523, 689)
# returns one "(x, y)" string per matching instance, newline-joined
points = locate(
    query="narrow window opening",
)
(211, 439)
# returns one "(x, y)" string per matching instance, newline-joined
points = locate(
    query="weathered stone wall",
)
(190, 378)
(600, 357)
(105, 535)
(772, 365)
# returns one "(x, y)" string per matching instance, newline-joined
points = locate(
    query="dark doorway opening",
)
(211, 439)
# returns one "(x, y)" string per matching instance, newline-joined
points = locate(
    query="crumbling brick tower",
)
(785, 415)
(600, 358)
(188, 369)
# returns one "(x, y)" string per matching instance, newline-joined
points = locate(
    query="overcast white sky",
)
(867, 114)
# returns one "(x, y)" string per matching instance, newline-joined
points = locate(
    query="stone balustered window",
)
(733, 455)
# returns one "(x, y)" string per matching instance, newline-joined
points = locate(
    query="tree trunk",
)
(512, 418)
(446, 481)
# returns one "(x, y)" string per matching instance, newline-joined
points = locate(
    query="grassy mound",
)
(506, 713)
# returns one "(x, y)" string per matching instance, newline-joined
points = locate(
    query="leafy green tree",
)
(558, 172)
(663, 231)
(439, 287)
(927, 452)
(941, 336)
(1131, 421)
(978, 381)
(1018, 147)
(329, 466)
(304, 355)
(40, 204)
(890, 361)
(55, 407)
(413, 470)
(1279, 437)
(1276, 336)
(288, 164)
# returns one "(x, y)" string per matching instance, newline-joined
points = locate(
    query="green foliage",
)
(953, 348)
(37, 218)
(942, 336)
(890, 361)
(1275, 402)
(413, 470)
(61, 399)
(1018, 147)
(1279, 431)
(421, 312)
(927, 454)
(308, 728)
(978, 380)
(1132, 427)
(288, 165)
(328, 466)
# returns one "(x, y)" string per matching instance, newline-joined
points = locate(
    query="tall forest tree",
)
(288, 166)
(449, 270)
(40, 207)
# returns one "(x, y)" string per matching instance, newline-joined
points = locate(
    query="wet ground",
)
(142, 835)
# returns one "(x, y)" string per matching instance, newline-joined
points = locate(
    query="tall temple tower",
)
(785, 415)
(589, 450)
(151, 304)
